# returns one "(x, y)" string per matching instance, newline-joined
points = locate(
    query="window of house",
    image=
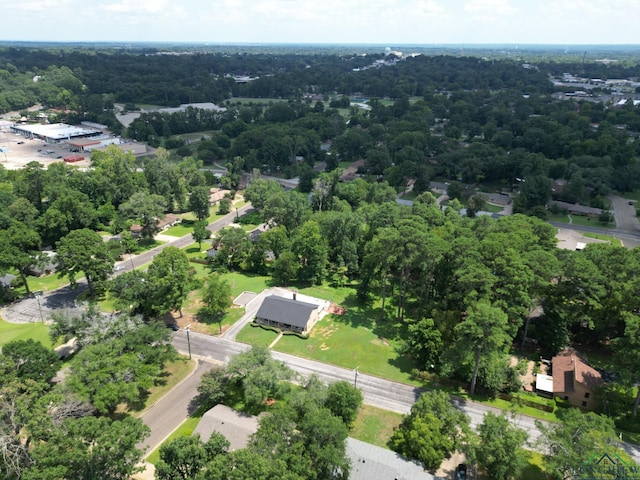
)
(584, 404)
(586, 395)
(566, 397)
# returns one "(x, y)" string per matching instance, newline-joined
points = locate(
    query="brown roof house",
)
(574, 380)
(288, 314)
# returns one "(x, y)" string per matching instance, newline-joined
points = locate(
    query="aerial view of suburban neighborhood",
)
(293, 252)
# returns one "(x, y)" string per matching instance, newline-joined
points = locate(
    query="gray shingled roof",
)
(369, 462)
(237, 427)
(285, 310)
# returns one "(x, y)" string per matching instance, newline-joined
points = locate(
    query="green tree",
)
(482, 332)
(171, 278)
(90, 448)
(32, 360)
(224, 206)
(19, 249)
(181, 458)
(200, 232)
(212, 388)
(216, 297)
(312, 250)
(145, 208)
(500, 454)
(285, 268)
(343, 400)
(433, 430)
(199, 202)
(234, 245)
(84, 251)
(576, 440)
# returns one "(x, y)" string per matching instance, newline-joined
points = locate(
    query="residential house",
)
(368, 462)
(499, 199)
(288, 313)
(217, 194)
(576, 209)
(574, 380)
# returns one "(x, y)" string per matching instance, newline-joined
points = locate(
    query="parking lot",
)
(18, 151)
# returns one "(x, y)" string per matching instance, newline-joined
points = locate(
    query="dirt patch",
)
(324, 347)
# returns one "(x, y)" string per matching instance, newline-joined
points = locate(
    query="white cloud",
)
(144, 7)
(490, 8)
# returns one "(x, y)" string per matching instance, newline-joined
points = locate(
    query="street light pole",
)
(188, 340)
(38, 294)
(355, 378)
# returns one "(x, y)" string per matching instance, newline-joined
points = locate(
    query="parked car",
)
(461, 472)
(117, 268)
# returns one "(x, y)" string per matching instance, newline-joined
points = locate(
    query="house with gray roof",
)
(368, 462)
(288, 314)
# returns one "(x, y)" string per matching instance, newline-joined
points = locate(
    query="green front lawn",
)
(185, 429)
(256, 336)
(375, 425)
(353, 341)
(48, 283)
(23, 331)
(607, 238)
(180, 230)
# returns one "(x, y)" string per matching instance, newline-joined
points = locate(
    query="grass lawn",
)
(410, 195)
(352, 341)
(607, 238)
(23, 331)
(246, 282)
(375, 425)
(185, 429)
(176, 371)
(513, 407)
(535, 468)
(492, 208)
(180, 230)
(47, 283)
(256, 336)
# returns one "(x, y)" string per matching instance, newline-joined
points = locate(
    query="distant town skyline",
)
(392, 22)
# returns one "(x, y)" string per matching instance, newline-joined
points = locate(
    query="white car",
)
(117, 268)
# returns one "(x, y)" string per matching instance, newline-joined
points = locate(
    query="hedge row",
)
(270, 328)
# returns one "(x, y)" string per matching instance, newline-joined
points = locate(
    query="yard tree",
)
(84, 251)
(145, 208)
(234, 245)
(482, 332)
(200, 232)
(500, 453)
(181, 458)
(579, 438)
(171, 279)
(627, 349)
(344, 400)
(32, 359)
(224, 206)
(90, 448)
(121, 369)
(425, 344)
(19, 249)
(290, 209)
(260, 191)
(285, 268)
(260, 376)
(199, 202)
(432, 431)
(212, 388)
(312, 250)
(245, 464)
(132, 293)
(216, 297)
(276, 240)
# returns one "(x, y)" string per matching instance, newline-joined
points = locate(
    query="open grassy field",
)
(23, 331)
(375, 425)
(256, 336)
(353, 341)
(48, 282)
(607, 238)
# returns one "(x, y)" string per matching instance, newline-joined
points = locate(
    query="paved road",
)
(376, 391)
(172, 409)
(34, 309)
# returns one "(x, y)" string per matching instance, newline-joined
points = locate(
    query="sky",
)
(388, 22)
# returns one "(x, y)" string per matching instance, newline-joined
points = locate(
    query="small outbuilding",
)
(288, 314)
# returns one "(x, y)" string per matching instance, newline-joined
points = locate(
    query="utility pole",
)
(355, 378)
(188, 340)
